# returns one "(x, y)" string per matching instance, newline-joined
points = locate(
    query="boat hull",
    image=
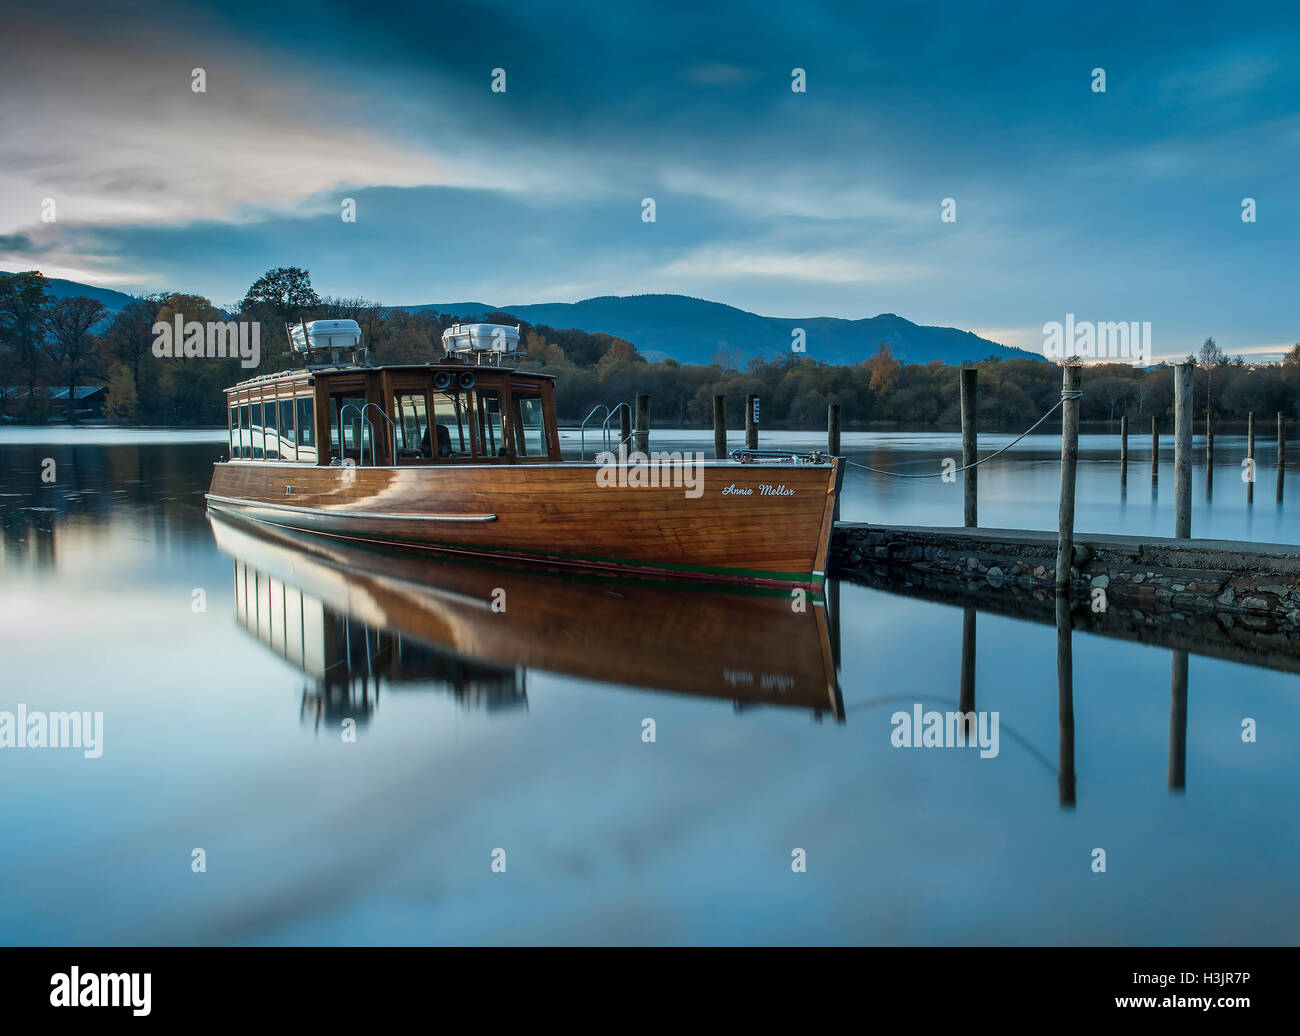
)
(760, 524)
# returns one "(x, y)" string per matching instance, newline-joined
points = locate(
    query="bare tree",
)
(71, 342)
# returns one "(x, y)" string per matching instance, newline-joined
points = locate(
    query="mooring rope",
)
(1073, 394)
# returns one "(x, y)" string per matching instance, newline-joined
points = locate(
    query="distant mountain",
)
(695, 331)
(113, 301)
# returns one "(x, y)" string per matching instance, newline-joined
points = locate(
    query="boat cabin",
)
(450, 412)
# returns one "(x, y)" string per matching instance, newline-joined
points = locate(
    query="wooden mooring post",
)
(1209, 454)
(1281, 454)
(1209, 458)
(720, 427)
(642, 437)
(751, 422)
(1250, 456)
(1155, 450)
(1182, 451)
(970, 475)
(1123, 454)
(833, 442)
(1069, 461)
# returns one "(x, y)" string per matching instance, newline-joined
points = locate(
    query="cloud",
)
(123, 139)
(713, 263)
(803, 192)
(1027, 338)
(716, 73)
(1233, 76)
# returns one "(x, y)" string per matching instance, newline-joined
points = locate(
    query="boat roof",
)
(309, 372)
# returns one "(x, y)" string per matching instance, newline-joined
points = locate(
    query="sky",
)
(1117, 205)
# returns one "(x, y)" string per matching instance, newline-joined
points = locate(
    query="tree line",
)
(67, 342)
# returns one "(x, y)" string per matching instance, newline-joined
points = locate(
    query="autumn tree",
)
(122, 404)
(883, 370)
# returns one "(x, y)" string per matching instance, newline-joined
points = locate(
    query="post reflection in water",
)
(1065, 781)
(355, 620)
(1065, 767)
(1178, 722)
(966, 702)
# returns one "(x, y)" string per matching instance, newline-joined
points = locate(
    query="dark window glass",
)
(491, 430)
(306, 428)
(451, 425)
(411, 417)
(288, 450)
(530, 428)
(255, 414)
(272, 439)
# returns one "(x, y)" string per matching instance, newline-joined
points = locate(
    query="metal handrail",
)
(391, 425)
(609, 432)
(582, 429)
(365, 422)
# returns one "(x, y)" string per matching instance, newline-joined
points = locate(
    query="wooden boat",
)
(348, 615)
(464, 457)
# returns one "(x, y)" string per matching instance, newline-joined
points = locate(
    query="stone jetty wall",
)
(1234, 586)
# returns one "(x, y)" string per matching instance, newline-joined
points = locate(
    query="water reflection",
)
(1065, 702)
(1178, 722)
(357, 621)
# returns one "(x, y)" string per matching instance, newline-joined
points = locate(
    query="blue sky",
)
(1122, 205)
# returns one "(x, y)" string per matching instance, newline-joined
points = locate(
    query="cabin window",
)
(245, 444)
(450, 426)
(306, 429)
(411, 417)
(530, 427)
(234, 432)
(288, 451)
(255, 413)
(272, 445)
(356, 433)
(491, 431)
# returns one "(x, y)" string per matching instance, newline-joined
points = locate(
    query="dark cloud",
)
(1125, 205)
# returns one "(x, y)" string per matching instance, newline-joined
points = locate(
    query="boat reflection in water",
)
(355, 619)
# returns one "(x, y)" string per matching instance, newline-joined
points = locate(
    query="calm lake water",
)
(224, 729)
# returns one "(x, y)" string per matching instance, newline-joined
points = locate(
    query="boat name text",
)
(763, 490)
